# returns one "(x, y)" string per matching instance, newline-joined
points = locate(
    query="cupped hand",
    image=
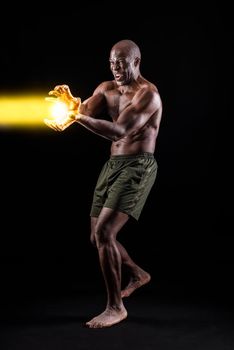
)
(63, 94)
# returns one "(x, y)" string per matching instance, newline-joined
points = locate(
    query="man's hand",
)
(63, 95)
(59, 125)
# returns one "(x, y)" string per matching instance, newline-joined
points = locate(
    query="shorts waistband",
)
(132, 156)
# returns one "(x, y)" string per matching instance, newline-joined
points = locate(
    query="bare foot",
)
(136, 282)
(108, 318)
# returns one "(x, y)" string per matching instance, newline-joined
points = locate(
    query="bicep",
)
(96, 104)
(137, 114)
(93, 105)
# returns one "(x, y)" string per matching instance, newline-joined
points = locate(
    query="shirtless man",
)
(135, 107)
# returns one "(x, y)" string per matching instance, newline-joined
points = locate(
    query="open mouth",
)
(119, 77)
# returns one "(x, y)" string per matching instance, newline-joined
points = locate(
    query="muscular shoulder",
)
(104, 87)
(149, 87)
(149, 94)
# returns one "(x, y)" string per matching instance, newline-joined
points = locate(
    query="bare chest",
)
(117, 102)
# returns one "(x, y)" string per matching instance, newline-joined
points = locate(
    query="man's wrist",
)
(73, 115)
(79, 117)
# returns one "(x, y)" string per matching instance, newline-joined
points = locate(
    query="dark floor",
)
(154, 322)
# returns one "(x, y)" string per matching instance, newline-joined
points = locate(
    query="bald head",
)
(125, 60)
(129, 47)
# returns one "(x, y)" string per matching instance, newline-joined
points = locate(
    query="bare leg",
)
(138, 276)
(107, 226)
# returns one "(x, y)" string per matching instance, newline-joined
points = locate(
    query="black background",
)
(185, 234)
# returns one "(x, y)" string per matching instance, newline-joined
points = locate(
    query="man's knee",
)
(104, 235)
(93, 228)
(93, 239)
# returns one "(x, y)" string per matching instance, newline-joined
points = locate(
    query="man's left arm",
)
(131, 119)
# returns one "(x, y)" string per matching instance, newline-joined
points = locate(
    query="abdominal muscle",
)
(134, 144)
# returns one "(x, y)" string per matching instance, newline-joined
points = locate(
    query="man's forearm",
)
(104, 128)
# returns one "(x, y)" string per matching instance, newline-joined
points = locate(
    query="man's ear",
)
(137, 61)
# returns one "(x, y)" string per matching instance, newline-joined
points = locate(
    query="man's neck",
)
(131, 87)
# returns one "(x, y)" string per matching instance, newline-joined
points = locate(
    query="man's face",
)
(122, 66)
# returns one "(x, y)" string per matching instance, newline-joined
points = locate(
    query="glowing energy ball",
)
(59, 111)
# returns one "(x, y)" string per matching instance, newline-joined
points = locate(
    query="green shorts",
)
(124, 184)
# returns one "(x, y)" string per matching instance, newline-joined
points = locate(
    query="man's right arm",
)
(92, 106)
(144, 104)
(96, 104)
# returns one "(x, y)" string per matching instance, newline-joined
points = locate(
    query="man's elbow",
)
(119, 134)
(118, 137)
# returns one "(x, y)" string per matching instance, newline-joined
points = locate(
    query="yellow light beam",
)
(24, 111)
